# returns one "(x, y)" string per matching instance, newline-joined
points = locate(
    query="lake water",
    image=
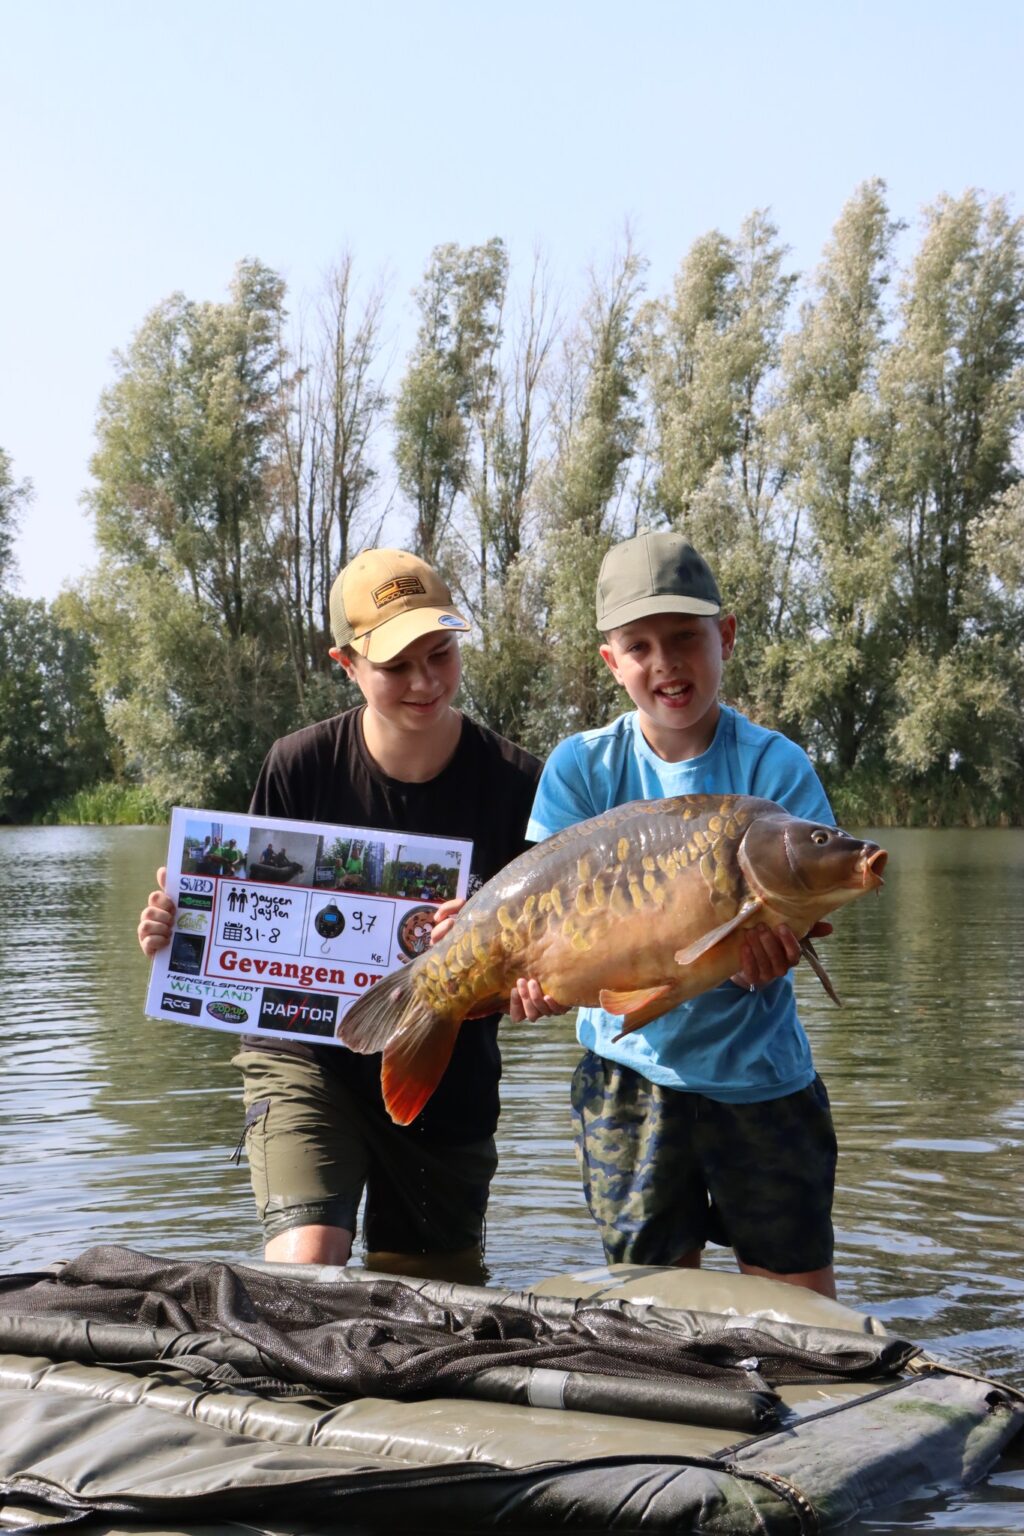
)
(117, 1129)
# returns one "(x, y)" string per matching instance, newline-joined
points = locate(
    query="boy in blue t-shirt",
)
(710, 1122)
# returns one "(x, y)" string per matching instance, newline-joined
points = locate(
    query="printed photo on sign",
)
(352, 864)
(417, 871)
(213, 847)
(283, 856)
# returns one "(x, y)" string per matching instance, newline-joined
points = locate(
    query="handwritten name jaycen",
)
(287, 970)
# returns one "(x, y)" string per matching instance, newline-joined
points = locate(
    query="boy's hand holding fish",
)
(527, 1000)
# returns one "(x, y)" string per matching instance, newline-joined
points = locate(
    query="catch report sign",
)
(280, 925)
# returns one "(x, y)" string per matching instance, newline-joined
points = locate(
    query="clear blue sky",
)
(145, 148)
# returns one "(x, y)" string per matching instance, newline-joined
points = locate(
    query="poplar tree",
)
(194, 658)
(954, 385)
(52, 737)
(499, 577)
(320, 508)
(448, 384)
(597, 423)
(15, 496)
(837, 657)
(713, 357)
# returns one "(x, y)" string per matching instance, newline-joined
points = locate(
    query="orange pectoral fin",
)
(641, 1007)
(413, 1064)
(694, 951)
(628, 1003)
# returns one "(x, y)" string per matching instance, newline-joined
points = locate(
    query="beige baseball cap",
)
(385, 599)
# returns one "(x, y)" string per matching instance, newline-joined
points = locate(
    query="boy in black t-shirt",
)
(406, 760)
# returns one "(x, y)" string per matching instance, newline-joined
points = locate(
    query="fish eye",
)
(819, 837)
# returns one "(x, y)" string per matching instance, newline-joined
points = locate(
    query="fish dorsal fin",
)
(660, 1001)
(750, 908)
(814, 961)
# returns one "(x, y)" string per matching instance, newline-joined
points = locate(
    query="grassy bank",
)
(856, 804)
(953, 804)
(108, 805)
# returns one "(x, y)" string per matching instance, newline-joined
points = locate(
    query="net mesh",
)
(386, 1339)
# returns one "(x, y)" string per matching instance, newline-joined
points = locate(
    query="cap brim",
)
(644, 607)
(385, 641)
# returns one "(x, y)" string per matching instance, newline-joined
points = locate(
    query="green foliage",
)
(318, 488)
(597, 426)
(184, 436)
(194, 655)
(449, 382)
(502, 673)
(833, 666)
(14, 497)
(193, 707)
(713, 362)
(52, 735)
(108, 804)
(954, 384)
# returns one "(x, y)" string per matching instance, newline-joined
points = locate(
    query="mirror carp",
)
(635, 910)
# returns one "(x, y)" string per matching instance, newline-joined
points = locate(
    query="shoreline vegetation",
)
(843, 445)
(119, 805)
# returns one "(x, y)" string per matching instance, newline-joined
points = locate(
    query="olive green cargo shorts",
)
(314, 1146)
(664, 1171)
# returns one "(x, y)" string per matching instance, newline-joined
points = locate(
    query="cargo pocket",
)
(253, 1142)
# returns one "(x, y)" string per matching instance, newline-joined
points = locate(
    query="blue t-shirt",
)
(729, 1044)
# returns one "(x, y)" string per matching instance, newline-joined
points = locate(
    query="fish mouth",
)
(871, 869)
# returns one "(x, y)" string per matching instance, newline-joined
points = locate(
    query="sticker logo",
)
(192, 922)
(227, 1013)
(187, 954)
(171, 1002)
(306, 1013)
(450, 621)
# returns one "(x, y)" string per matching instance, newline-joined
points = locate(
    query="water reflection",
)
(118, 1129)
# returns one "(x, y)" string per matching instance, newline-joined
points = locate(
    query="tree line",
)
(844, 449)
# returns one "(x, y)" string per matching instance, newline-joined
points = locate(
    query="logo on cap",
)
(397, 587)
(450, 621)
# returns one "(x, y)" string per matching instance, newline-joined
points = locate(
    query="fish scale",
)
(635, 910)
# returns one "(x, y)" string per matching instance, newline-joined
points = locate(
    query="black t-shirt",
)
(484, 794)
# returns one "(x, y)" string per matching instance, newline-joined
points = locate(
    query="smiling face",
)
(670, 664)
(414, 690)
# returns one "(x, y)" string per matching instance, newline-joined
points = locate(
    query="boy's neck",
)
(411, 757)
(678, 746)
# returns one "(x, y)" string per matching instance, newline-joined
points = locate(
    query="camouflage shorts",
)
(664, 1172)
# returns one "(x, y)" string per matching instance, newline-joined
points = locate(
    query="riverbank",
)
(855, 804)
(107, 805)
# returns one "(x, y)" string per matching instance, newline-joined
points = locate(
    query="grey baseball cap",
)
(654, 572)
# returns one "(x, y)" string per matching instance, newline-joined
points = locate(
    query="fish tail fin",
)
(414, 1063)
(416, 1041)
